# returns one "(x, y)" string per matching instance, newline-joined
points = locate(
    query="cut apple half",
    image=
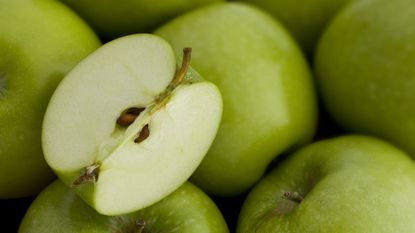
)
(127, 126)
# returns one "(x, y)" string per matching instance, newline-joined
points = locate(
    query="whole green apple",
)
(40, 41)
(347, 184)
(59, 210)
(305, 19)
(365, 66)
(269, 101)
(111, 18)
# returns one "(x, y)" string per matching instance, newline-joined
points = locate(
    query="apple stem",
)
(162, 99)
(90, 174)
(187, 55)
(292, 196)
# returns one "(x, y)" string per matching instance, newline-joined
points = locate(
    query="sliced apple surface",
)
(125, 128)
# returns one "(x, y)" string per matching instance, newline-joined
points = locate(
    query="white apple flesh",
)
(83, 142)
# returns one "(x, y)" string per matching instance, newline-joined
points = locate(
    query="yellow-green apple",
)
(112, 18)
(365, 66)
(347, 184)
(126, 127)
(305, 19)
(269, 101)
(40, 41)
(59, 210)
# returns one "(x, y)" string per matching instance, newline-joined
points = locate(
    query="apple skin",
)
(350, 184)
(306, 19)
(40, 41)
(112, 19)
(266, 86)
(365, 66)
(59, 209)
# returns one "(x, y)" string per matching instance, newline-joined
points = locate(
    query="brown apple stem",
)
(90, 174)
(162, 99)
(292, 196)
(187, 56)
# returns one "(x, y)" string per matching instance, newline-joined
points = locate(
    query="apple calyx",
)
(140, 223)
(293, 196)
(127, 225)
(90, 174)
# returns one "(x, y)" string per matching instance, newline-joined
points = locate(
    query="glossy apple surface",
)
(40, 41)
(347, 184)
(269, 102)
(306, 19)
(59, 210)
(365, 67)
(113, 19)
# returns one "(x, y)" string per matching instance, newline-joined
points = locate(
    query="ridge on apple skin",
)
(347, 184)
(182, 117)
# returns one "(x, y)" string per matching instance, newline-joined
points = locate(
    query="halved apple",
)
(125, 128)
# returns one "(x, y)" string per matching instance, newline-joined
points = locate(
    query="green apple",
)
(347, 184)
(125, 128)
(269, 101)
(365, 67)
(305, 19)
(40, 41)
(112, 19)
(187, 210)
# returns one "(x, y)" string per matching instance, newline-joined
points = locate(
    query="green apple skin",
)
(269, 101)
(40, 41)
(350, 184)
(365, 66)
(111, 19)
(59, 209)
(306, 19)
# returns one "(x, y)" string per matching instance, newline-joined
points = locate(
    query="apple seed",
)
(129, 116)
(143, 135)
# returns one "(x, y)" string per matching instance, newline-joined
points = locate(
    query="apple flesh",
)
(116, 167)
(112, 19)
(365, 67)
(40, 41)
(346, 184)
(269, 99)
(186, 210)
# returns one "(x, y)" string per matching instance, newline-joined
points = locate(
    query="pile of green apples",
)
(207, 116)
